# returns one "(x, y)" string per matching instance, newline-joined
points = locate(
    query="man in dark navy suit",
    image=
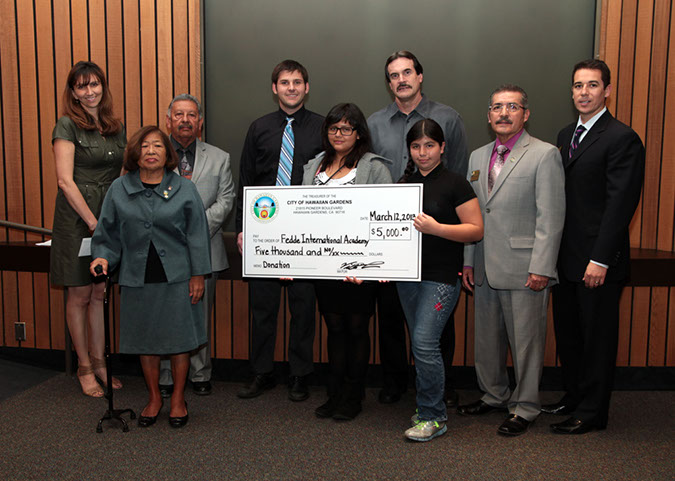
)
(604, 168)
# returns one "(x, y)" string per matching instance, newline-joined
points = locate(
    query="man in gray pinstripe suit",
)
(519, 182)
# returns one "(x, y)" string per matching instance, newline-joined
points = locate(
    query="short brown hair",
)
(289, 66)
(81, 74)
(133, 151)
(403, 54)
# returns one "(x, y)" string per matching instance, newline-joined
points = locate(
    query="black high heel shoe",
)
(147, 421)
(179, 421)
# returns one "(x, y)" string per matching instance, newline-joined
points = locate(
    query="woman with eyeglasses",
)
(451, 216)
(348, 305)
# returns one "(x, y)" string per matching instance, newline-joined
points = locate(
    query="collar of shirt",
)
(422, 108)
(417, 177)
(192, 148)
(299, 116)
(509, 145)
(588, 125)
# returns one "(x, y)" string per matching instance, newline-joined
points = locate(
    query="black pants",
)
(587, 331)
(264, 299)
(348, 350)
(391, 329)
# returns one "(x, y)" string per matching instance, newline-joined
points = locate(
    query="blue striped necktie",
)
(575, 140)
(286, 155)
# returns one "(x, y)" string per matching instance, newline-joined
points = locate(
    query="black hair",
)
(354, 117)
(422, 128)
(595, 64)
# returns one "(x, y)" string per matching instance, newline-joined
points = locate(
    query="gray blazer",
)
(372, 169)
(523, 215)
(212, 176)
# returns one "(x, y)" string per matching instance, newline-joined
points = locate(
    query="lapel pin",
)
(166, 194)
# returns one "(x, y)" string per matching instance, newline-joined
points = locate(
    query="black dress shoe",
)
(166, 390)
(297, 388)
(147, 421)
(179, 421)
(514, 426)
(347, 409)
(201, 388)
(327, 409)
(477, 408)
(574, 426)
(451, 399)
(558, 408)
(260, 384)
(388, 396)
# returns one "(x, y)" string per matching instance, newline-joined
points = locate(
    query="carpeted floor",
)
(48, 433)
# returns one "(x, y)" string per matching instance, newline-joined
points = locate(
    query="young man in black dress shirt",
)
(260, 166)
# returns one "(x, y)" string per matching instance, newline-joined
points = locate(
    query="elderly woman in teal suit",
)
(153, 227)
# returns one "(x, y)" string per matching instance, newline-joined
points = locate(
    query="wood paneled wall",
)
(151, 50)
(638, 43)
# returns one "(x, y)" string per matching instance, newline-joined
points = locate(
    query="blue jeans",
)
(427, 306)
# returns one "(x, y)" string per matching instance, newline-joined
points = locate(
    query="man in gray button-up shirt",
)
(390, 125)
(388, 129)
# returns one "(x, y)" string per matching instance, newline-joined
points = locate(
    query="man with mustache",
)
(388, 128)
(209, 168)
(519, 182)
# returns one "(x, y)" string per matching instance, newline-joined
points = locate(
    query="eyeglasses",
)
(346, 130)
(511, 107)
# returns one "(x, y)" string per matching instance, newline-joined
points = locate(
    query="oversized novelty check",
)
(365, 231)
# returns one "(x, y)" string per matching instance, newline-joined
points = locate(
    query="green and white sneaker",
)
(426, 430)
(415, 418)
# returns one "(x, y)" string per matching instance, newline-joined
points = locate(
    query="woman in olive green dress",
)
(88, 143)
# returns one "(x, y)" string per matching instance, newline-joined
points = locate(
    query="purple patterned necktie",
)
(497, 167)
(575, 141)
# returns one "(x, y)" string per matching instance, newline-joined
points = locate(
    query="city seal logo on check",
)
(264, 207)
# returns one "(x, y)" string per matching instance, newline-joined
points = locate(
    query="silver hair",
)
(180, 97)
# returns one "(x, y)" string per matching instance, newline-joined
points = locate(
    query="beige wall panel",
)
(79, 30)
(132, 66)
(30, 134)
(47, 109)
(97, 34)
(165, 66)
(11, 119)
(148, 50)
(115, 44)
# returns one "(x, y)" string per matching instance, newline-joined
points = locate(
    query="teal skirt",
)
(160, 319)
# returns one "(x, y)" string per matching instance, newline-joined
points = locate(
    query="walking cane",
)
(110, 413)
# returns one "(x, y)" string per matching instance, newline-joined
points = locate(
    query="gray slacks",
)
(515, 319)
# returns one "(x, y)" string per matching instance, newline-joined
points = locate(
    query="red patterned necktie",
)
(497, 167)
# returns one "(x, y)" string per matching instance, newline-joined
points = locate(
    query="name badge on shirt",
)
(474, 175)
